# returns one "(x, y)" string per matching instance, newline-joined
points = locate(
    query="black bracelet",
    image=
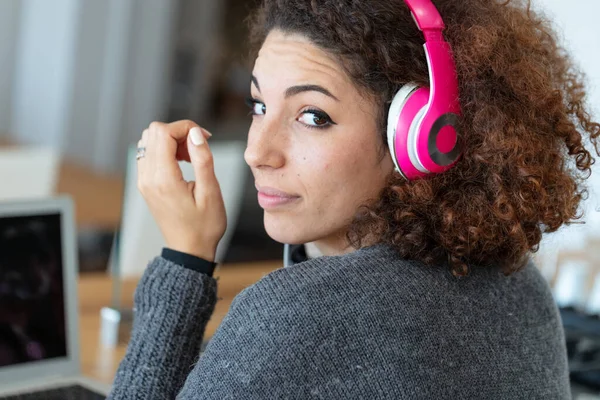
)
(189, 261)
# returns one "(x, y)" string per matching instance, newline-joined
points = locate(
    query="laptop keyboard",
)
(75, 392)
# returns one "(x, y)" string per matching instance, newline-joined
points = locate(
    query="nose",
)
(266, 144)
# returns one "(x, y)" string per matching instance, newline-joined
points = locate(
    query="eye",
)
(256, 106)
(315, 119)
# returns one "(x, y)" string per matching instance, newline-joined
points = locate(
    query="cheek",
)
(331, 175)
(353, 175)
(341, 175)
(317, 173)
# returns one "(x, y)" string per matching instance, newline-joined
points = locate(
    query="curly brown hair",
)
(524, 124)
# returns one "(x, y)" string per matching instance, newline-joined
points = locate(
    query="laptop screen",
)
(32, 309)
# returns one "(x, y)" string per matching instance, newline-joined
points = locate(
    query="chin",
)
(284, 230)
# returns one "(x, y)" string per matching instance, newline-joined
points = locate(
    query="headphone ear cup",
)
(395, 109)
(413, 135)
(405, 113)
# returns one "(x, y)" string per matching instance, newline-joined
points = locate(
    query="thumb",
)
(202, 161)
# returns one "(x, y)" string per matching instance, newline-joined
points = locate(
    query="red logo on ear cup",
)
(443, 143)
(446, 139)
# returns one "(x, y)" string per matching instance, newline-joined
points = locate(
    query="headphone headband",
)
(425, 14)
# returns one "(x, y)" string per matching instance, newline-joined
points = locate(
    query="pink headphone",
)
(422, 123)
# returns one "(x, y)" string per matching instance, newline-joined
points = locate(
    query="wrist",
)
(207, 254)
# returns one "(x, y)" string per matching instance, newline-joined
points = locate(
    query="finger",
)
(142, 142)
(183, 153)
(139, 164)
(144, 138)
(179, 131)
(161, 150)
(202, 162)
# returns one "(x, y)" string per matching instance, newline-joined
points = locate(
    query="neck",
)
(337, 244)
(334, 245)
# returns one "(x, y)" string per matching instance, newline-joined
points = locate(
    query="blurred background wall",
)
(72, 68)
(9, 23)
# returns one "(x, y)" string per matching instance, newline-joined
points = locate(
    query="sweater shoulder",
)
(364, 266)
(333, 282)
(378, 277)
(365, 269)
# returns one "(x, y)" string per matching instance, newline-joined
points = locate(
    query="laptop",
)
(39, 327)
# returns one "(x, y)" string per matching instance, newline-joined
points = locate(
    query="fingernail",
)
(196, 136)
(208, 133)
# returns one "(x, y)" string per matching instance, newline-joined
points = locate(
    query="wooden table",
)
(95, 292)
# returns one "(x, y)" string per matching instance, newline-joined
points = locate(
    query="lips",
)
(269, 197)
(269, 191)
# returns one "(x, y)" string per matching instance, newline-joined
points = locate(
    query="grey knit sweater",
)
(367, 325)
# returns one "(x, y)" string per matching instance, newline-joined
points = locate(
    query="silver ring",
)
(141, 152)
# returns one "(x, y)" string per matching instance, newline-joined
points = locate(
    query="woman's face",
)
(313, 146)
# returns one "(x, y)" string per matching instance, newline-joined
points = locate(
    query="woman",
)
(424, 289)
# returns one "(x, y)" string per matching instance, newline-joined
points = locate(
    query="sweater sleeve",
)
(270, 345)
(172, 306)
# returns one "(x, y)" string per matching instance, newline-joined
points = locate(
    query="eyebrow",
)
(294, 90)
(255, 81)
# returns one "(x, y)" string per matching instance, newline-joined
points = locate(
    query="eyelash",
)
(252, 102)
(319, 114)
